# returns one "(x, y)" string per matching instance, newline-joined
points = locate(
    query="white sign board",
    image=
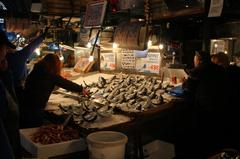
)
(95, 13)
(150, 64)
(128, 59)
(108, 61)
(215, 9)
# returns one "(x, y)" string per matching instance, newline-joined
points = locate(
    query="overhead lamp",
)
(61, 58)
(91, 58)
(225, 51)
(89, 45)
(109, 28)
(149, 43)
(215, 45)
(115, 45)
(18, 35)
(38, 51)
(161, 46)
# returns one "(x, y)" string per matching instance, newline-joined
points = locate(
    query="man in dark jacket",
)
(205, 91)
(232, 110)
(6, 151)
(9, 114)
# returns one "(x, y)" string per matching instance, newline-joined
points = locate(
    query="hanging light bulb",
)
(89, 45)
(149, 43)
(161, 46)
(38, 51)
(61, 58)
(18, 35)
(115, 45)
(91, 58)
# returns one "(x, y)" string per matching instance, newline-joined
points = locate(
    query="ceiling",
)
(22, 8)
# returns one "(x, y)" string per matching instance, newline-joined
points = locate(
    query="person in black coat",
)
(205, 94)
(38, 87)
(232, 110)
(6, 150)
(9, 114)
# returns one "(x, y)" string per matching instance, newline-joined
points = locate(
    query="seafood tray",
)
(132, 93)
(116, 122)
(116, 101)
(148, 112)
(49, 150)
(89, 116)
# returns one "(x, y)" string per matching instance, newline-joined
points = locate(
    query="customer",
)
(232, 110)
(203, 82)
(221, 59)
(6, 150)
(39, 86)
(205, 94)
(9, 115)
(17, 62)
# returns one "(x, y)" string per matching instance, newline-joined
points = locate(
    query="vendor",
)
(38, 88)
(17, 62)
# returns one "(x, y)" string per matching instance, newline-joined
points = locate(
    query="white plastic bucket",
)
(106, 145)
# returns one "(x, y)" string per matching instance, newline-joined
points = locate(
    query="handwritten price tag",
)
(108, 61)
(112, 65)
(154, 67)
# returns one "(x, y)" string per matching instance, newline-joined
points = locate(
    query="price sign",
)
(128, 59)
(95, 13)
(150, 64)
(216, 7)
(107, 61)
(154, 67)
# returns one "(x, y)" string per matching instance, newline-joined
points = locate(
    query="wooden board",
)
(83, 65)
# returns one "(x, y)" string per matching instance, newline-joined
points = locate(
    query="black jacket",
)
(6, 150)
(206, 87)
(205, 91)
(9, 112)
(38, 88)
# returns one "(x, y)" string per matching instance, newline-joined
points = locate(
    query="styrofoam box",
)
(158, 149)
(44, 151)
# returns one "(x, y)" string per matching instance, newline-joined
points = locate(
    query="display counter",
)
(134, 123)
(63, 102)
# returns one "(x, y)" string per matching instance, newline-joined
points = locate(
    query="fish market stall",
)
(51, 140)
(114, 100)
(134, 110)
